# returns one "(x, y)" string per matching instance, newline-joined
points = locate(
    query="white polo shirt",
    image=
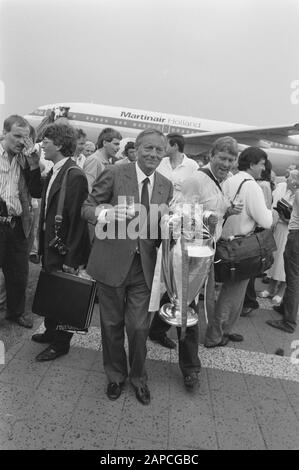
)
(179, 174)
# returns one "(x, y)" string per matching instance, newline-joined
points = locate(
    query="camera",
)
(58, 245)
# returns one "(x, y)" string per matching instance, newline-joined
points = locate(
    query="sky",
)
(231, 60)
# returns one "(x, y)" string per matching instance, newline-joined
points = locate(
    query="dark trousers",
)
(250, 296)
(14, 263)
(188, 348)
(60, 340)
(290, 302)
(125, 307)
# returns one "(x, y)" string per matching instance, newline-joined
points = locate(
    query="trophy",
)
(188, 249)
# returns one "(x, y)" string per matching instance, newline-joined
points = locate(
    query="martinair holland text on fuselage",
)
(160, 119)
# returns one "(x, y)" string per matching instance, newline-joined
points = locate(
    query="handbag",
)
(65, 298)
(244, 256)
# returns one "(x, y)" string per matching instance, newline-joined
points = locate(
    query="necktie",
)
(145, 195)
(144, 204)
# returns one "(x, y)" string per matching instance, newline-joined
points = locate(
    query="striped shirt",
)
(9, 183)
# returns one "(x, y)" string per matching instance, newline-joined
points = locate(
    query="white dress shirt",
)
(254, 210)
(140, 178)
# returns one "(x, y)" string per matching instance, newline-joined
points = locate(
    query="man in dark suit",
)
(59, 144)
(123, 264)
(20, 179)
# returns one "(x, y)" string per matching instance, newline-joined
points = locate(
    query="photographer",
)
(20, 179)
(68, 247)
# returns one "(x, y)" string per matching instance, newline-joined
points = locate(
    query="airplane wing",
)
(264, 137)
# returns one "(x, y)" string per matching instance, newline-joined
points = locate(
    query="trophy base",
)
(174, 317)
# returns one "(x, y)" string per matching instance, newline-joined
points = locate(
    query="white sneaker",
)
(264, 294)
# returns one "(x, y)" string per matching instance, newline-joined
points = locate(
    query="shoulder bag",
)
(244, 256)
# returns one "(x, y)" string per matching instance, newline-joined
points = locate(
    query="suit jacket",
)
(111, 259)
(74, 232)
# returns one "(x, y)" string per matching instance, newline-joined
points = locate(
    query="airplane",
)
(278, 142)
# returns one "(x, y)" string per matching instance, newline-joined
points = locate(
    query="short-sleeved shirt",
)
(177, 175)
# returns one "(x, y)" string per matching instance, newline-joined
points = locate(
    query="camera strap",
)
(60, 205)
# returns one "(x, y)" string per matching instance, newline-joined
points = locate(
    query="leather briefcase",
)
(66, 298)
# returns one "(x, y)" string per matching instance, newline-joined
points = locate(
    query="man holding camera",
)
(20, 179)
(67, 248)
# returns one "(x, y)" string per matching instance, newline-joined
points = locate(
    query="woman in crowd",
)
(276, 273)
(267, 185)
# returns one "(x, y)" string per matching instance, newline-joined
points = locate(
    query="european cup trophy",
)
(188, 249)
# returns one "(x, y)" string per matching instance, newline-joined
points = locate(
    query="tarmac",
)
(248, 396)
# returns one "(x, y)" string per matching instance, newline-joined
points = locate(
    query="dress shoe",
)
(165, 342)
(42, 338)
(143, 394)
(235, 337)
(223, 342)
(49, 354)
(246, 311)
(280, 325)
(22, 321)
(191, 381)
(114, 390)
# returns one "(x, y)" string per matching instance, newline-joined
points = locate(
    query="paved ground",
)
(248, 398)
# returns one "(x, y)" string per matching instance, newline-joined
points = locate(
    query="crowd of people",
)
(156, 172)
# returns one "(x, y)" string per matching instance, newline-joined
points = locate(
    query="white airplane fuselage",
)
(92, 118)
